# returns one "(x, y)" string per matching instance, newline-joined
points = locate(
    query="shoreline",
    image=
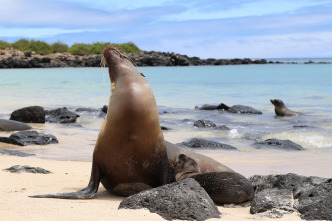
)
(71, 176)
(11, 58)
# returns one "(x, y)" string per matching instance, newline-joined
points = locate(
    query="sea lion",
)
(222, 187)
(12, 125)
(130, 154)
(281, 109)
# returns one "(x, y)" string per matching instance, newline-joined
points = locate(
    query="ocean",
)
(303, 87)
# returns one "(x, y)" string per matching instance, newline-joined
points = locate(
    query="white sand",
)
(70, 176)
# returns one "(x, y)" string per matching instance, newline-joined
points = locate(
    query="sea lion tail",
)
(86, 193)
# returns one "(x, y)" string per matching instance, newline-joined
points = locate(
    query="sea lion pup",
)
(222, 187)
(12, 125)
(281, 109)
(130, 154)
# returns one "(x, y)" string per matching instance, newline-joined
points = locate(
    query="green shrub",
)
(98, 47)
(127, 47)
(59, 47)
(76, 49)
(40, 47)
(22, 44)
(80, 49)
(4, 45)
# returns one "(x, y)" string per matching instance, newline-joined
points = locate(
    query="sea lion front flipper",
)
(86, 193)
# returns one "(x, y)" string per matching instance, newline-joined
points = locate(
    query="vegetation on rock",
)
(42, 47)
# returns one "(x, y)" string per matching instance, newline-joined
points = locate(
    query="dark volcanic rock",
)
(202, 143)
(25, 138)
(312, 196)
(314, 202)
(241, 109)
(185, 200)
(288, 181)
(209, 124)
(280, 144)
(33, 114)
(26, 169)
(104, 109)
(221, 106)
(204, 123)
(15, 153)
(269, 199)
(164, 128)
(62, 116)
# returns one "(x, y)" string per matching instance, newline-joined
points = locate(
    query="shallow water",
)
(304, 88)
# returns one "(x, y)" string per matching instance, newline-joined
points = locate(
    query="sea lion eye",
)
(142, 74)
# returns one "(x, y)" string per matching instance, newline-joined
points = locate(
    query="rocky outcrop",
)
(202, 143)
(278, 144)
(280, 194)
(17, 59)
(32, 114)
(184, 200)
(25, 138)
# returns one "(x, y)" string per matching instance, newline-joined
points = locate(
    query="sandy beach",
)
(70, 176)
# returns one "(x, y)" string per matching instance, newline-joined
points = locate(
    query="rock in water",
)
(201, 143)
(62, 116)
(33, 114)
(185, 200)
(241, 109)
(280, 144)
(204, 123)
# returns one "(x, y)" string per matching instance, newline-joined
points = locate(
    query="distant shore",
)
(11, 58)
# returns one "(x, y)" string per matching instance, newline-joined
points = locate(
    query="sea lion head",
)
(119, 65)
(185, 167)
(277, 102)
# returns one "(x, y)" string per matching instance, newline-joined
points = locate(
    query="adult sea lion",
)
(12, 125)
(222, 187)
(281, 109)
(130, 154)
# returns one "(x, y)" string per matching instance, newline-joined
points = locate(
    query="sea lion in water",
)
(13, 125)
(222, 187)
(130, 154)
(281, 109)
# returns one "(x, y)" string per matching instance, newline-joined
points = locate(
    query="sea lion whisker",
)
(103, 65)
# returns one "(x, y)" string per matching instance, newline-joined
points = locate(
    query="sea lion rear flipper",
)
(86, 193)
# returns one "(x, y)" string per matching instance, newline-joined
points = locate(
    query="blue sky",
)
(203, 28)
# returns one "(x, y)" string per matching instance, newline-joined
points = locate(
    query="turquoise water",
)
(305, 88)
